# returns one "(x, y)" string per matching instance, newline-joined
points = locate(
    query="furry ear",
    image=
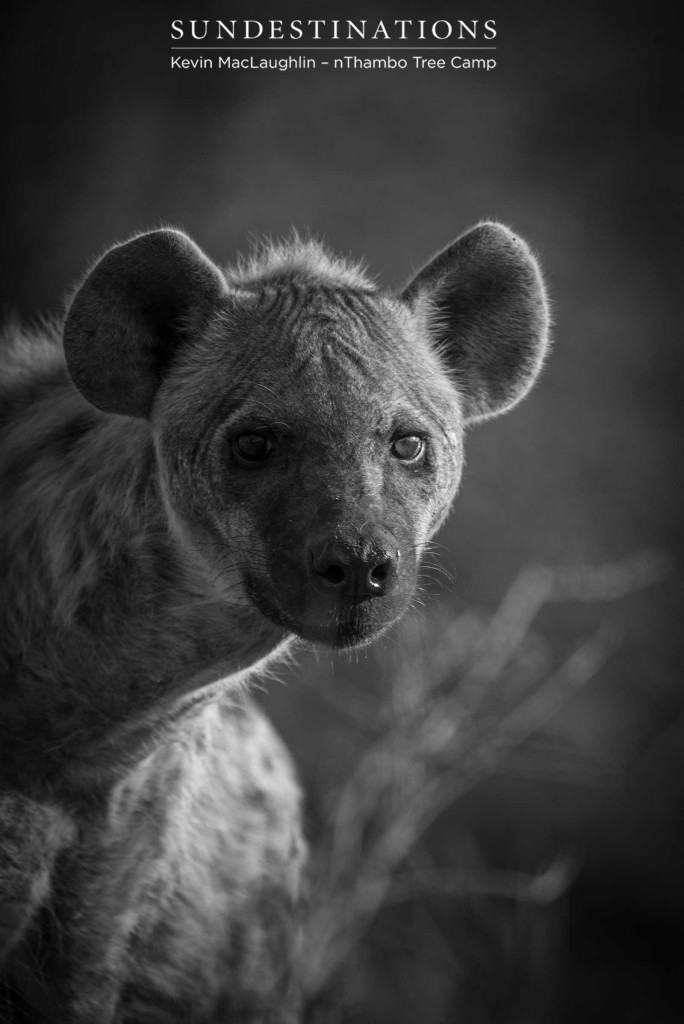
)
(128, 317)
(485, 306)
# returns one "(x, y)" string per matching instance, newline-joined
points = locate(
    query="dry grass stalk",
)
(437, 737)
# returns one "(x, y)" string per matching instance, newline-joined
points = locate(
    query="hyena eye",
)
(409, 448)
(252, 447)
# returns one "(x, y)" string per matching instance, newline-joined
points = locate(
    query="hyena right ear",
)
(130, 315)
(482, 302)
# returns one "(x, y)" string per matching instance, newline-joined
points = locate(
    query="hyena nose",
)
(352, 573)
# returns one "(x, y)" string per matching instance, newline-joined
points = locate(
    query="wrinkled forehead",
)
(335, 350)
(321, 334)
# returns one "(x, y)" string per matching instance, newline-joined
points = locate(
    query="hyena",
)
(199, 467)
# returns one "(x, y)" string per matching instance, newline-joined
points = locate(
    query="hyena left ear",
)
(484, 304)
(132, 312)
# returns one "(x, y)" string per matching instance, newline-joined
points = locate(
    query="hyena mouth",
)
(357, 629)
(330, 622)
(340, 627)
(352, 623)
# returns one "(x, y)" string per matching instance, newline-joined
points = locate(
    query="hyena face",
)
(326, 460)
(308, 426)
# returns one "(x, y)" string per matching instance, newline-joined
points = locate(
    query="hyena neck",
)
(109, 620)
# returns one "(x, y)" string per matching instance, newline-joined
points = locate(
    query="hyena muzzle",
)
(198, 468)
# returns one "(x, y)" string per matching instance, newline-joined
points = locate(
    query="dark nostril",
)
(379, 573)
(334, 574)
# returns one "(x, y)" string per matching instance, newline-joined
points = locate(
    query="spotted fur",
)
(150, 845)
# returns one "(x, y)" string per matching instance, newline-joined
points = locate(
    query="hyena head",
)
(308, 426)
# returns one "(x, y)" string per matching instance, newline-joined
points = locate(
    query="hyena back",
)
(202, 466)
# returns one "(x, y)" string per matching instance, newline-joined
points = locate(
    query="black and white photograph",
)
(340, 513)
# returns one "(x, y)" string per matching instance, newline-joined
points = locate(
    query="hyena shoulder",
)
(201, 848)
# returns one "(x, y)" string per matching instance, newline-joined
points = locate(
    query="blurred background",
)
(540, 878)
